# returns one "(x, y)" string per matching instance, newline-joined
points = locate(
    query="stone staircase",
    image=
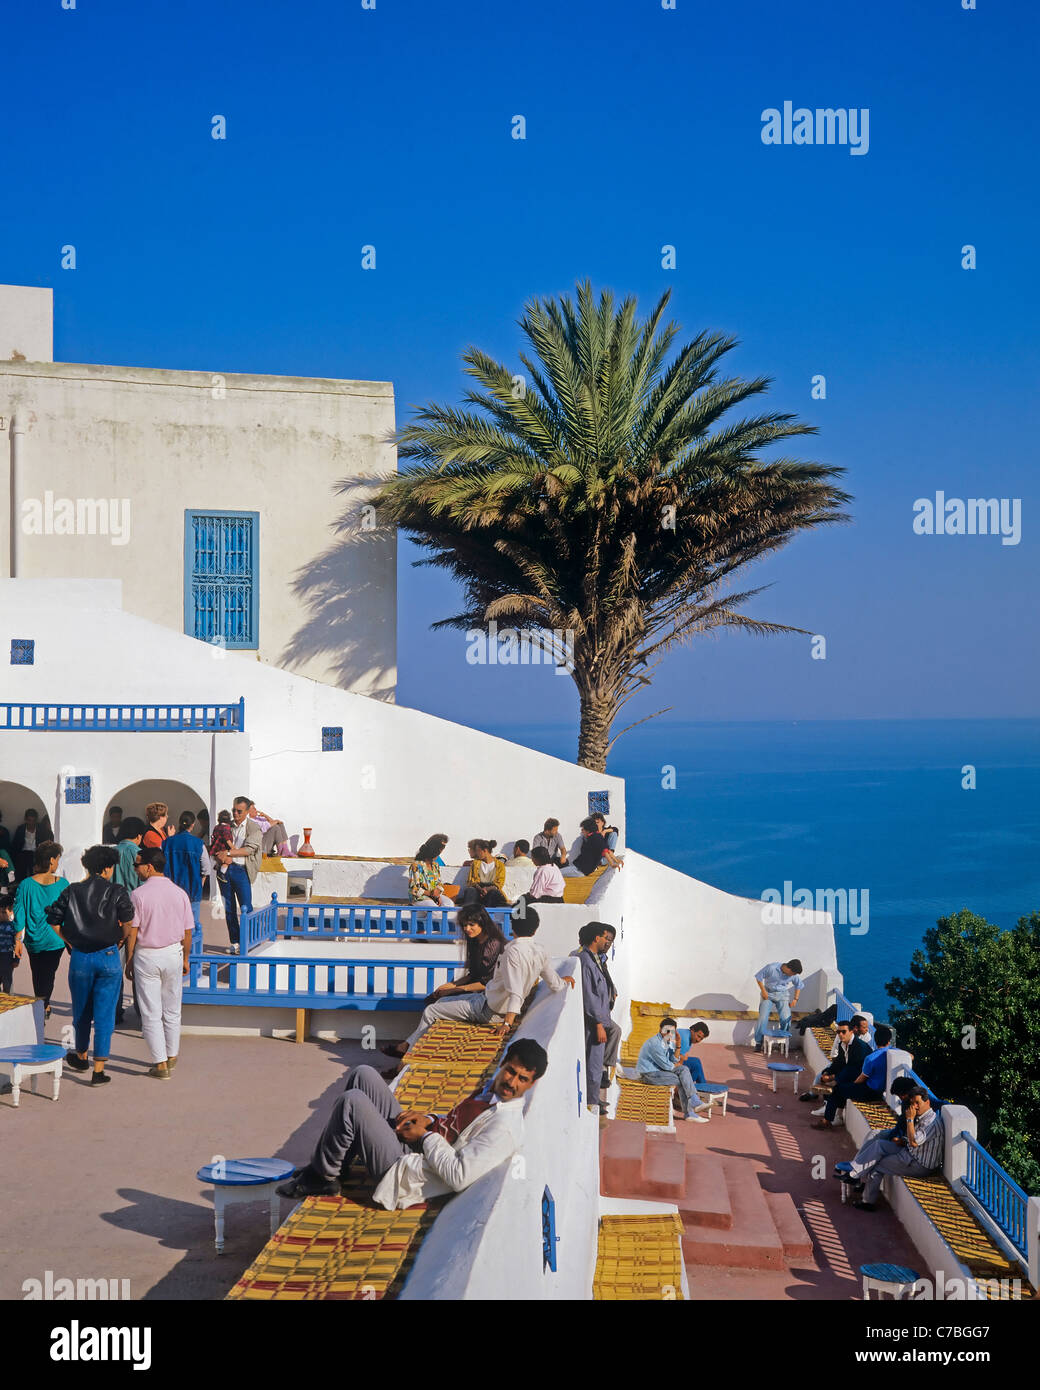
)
(728, 1219)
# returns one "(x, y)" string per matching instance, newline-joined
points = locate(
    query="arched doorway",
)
(15, 800)
(134, 797)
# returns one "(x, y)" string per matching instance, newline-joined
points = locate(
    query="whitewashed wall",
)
(487, 1242)
(164, 441)
(694, 946)
(402, 775)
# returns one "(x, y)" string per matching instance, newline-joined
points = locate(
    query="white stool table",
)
(244, 1180)
(713, 1092)
(784, 1068)
(30, 1059)
(777, 1038)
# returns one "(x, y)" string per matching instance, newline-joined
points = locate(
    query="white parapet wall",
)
(694, 946)
(401, 775)
(487, 1242)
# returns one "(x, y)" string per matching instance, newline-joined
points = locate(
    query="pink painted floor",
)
(102, 1184)
(778, 1139)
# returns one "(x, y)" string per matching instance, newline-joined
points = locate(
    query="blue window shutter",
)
(23, 651)
(221, 578)
(549, 1236)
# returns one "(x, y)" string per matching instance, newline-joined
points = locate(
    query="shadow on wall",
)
(342, 592)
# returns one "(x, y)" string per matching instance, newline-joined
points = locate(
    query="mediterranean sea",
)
(879, 806)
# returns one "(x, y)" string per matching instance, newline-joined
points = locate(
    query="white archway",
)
(16, 799)
(134, 797)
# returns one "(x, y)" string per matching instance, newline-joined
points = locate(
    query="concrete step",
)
(796, 1240)
(752, 1241)
(621, 1149)
(706, 1200)
(664, 1169)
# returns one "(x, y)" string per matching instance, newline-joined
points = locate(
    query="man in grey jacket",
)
(242, 862)
(593, 939)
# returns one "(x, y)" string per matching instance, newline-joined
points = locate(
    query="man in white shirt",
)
(519, 967)
(413, 1156)
(157, 956)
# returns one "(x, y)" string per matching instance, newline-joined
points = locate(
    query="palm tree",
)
(600, 494)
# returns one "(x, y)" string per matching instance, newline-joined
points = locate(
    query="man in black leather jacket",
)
(93, 918)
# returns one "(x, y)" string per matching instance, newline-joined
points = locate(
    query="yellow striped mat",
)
(639, 1258)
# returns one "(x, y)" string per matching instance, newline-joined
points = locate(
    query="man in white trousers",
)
(157, 952)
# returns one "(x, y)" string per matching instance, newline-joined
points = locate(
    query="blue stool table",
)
(30, 1059)
(893, 1279)
(785, 1068)
(715, 1091)
(779, 1038)
(244, 1180)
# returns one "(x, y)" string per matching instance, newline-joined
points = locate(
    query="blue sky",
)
(392, 127)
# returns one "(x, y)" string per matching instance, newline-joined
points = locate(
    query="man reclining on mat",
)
(414, 1156)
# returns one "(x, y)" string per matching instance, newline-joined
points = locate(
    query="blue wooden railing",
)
(258, 926)
(345, 921)
(996, 1193)
(313, 984)
(125, 718)
(845, 1009)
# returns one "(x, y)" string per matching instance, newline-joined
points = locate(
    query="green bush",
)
(970, 1013)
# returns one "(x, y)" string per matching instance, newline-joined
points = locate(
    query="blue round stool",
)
(787, 1068)
(244, 1180)
(30, 1059)
(893, 1279)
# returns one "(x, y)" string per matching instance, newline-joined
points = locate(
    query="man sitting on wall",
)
(823, 1082)
(518, 969)
(658, 1065)
(844, 1068)
(871, 1151)
(869, 1084)
(413, 1156)
(779, 985)
(921, 1154)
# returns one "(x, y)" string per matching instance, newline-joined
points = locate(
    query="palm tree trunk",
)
(597, 715)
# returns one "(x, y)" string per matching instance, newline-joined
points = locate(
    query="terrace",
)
(756, 1217)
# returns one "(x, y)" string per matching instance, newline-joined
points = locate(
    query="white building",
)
(149, 508)
(231, 507)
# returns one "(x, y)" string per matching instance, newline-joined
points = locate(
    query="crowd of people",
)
(134, 914)
(857, 1071)
(546, 855)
